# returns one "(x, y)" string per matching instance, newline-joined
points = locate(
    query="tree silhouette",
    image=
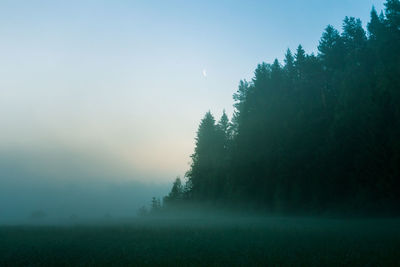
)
(320, 132)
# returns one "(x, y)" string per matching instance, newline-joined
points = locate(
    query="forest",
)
(304, 172)
(316, 133)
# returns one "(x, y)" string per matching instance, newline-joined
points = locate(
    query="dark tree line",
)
(316, 133)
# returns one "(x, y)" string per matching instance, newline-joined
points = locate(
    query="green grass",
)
(278, 241)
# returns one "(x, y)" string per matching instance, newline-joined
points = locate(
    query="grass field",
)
(207, 242)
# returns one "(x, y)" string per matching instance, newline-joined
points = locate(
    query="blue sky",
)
(123, 80)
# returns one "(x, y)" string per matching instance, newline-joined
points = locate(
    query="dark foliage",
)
(318, 133)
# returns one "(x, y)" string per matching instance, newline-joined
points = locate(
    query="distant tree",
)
(354, 39)
(300, 61)
(204, 175)
(176, 194)
(392, 12)
(224, 126)
(376, 26)
(331, 49)
(240, 101)
(155, 204)
(289, 67)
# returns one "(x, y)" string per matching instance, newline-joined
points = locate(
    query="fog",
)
(64, 185)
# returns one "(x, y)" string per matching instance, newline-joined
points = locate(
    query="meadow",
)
(205, 241)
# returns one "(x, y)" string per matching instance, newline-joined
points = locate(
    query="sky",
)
(113, 91)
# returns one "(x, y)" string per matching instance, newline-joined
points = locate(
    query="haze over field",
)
(100, 101)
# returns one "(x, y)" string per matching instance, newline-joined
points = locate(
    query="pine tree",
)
(289, 67)
(392, 12)
(203, 175)
(300, 57)
(375, 26)
(331, 49)
(176, 194)
(225, 127)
